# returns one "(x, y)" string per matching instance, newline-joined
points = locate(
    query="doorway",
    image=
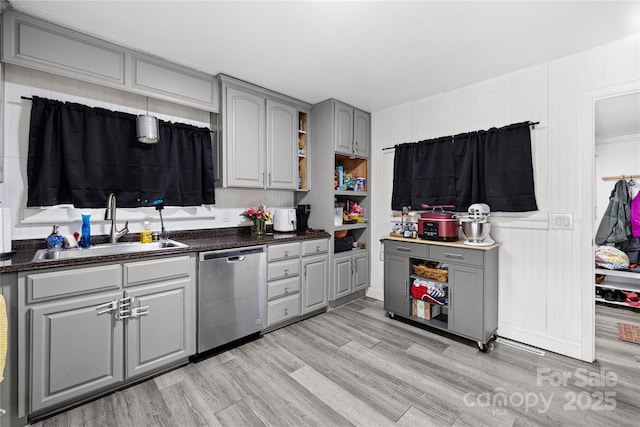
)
(612, 126)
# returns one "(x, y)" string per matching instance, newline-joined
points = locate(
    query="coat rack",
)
(617, 177)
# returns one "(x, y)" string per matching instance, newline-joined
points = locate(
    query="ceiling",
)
(371, 54)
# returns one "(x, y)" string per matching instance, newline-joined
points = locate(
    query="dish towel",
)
(3, 336)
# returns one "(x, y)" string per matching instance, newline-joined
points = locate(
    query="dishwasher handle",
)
(233, 259)
(232, 253)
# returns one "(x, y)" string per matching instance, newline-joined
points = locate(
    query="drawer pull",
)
(404, 249)
(450, 255)
(286, 311)
(286, 290)
(286, 254)
(317, 248)
(286, 272)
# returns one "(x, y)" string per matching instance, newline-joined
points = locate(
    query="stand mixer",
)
(475, 226)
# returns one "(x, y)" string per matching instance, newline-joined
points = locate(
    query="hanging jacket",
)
(615, 226)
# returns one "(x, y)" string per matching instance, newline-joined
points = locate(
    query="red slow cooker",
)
(438, 224)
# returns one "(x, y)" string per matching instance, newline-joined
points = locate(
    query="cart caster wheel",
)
(493, 337)
(482, 347)
(391, 315)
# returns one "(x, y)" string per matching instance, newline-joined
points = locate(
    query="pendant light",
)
(147, 127)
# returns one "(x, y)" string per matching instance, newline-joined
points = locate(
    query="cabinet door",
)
(466, 301)
(361, 133)
(360, 271)
(245, 139)
(164, 335)
(315, 272)
(282, 153)
(342, 276)
(343, 131)
(74, 349)
(396, 284)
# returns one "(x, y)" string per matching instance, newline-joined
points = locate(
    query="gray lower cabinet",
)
(396, 284)
(91, 328)
(163, 335)
(74, 350)
(472, 285)
(315, 272)
(350, 273)
(466, 303)
(297, 279)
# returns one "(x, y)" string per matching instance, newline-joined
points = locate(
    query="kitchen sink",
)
(106, 249)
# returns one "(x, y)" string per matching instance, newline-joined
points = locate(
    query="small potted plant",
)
(258, 217)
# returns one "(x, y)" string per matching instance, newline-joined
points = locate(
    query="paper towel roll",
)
(5, 230)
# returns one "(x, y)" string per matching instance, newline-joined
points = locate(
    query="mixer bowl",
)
(475, 231)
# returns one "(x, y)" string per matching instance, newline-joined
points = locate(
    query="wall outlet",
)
(561, 221)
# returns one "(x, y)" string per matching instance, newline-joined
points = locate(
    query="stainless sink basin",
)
(106, 249)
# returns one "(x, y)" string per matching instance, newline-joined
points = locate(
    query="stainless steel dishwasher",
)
(232, 295)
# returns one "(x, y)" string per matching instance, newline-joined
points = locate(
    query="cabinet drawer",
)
(282, 288)
(312, 247)
(417, 250)
(284, 251)
(456, 255)
(137, 273)
(283, 269)
(77, 281)
(283, 309)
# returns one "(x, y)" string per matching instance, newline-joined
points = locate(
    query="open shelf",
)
(302, 152)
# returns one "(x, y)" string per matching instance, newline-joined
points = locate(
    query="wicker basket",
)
(431, 273)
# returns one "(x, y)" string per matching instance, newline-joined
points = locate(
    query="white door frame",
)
(587, 135)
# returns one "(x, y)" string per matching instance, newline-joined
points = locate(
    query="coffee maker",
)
(302, 218)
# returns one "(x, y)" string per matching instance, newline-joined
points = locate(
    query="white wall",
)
(615, 157)
(36, 223)
(542, 281)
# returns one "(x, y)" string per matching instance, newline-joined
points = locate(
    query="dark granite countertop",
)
(196, 241)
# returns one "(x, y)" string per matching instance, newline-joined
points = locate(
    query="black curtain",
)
(402, 176)
(78, 155)
(433, 173)
(492, 167)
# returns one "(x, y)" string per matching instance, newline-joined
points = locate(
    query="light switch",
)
(561, 221)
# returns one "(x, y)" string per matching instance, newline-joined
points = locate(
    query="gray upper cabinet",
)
(245, 134)
(361, 133)
(259, 136)
(343, 139)
(352, 130)
(282, 139)
(37, 44)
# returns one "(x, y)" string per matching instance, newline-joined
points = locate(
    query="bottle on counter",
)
(85, 240)
(55, 240)
(146, 235)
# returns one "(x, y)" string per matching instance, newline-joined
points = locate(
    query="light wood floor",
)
(355, 366)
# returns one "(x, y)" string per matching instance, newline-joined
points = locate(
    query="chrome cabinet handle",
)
(406, 285)
(318, 248)
(286, 254)
(403, 249)
(286, 272)
(269, 178)
(451, 255)
(286, 311)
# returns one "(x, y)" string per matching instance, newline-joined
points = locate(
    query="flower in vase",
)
(257, 214)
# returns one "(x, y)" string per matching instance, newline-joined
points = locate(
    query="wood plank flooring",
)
(355, 366)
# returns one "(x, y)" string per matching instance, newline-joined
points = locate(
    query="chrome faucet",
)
(110, 214)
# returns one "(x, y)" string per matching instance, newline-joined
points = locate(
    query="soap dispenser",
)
(146, 235)
(55, 240)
